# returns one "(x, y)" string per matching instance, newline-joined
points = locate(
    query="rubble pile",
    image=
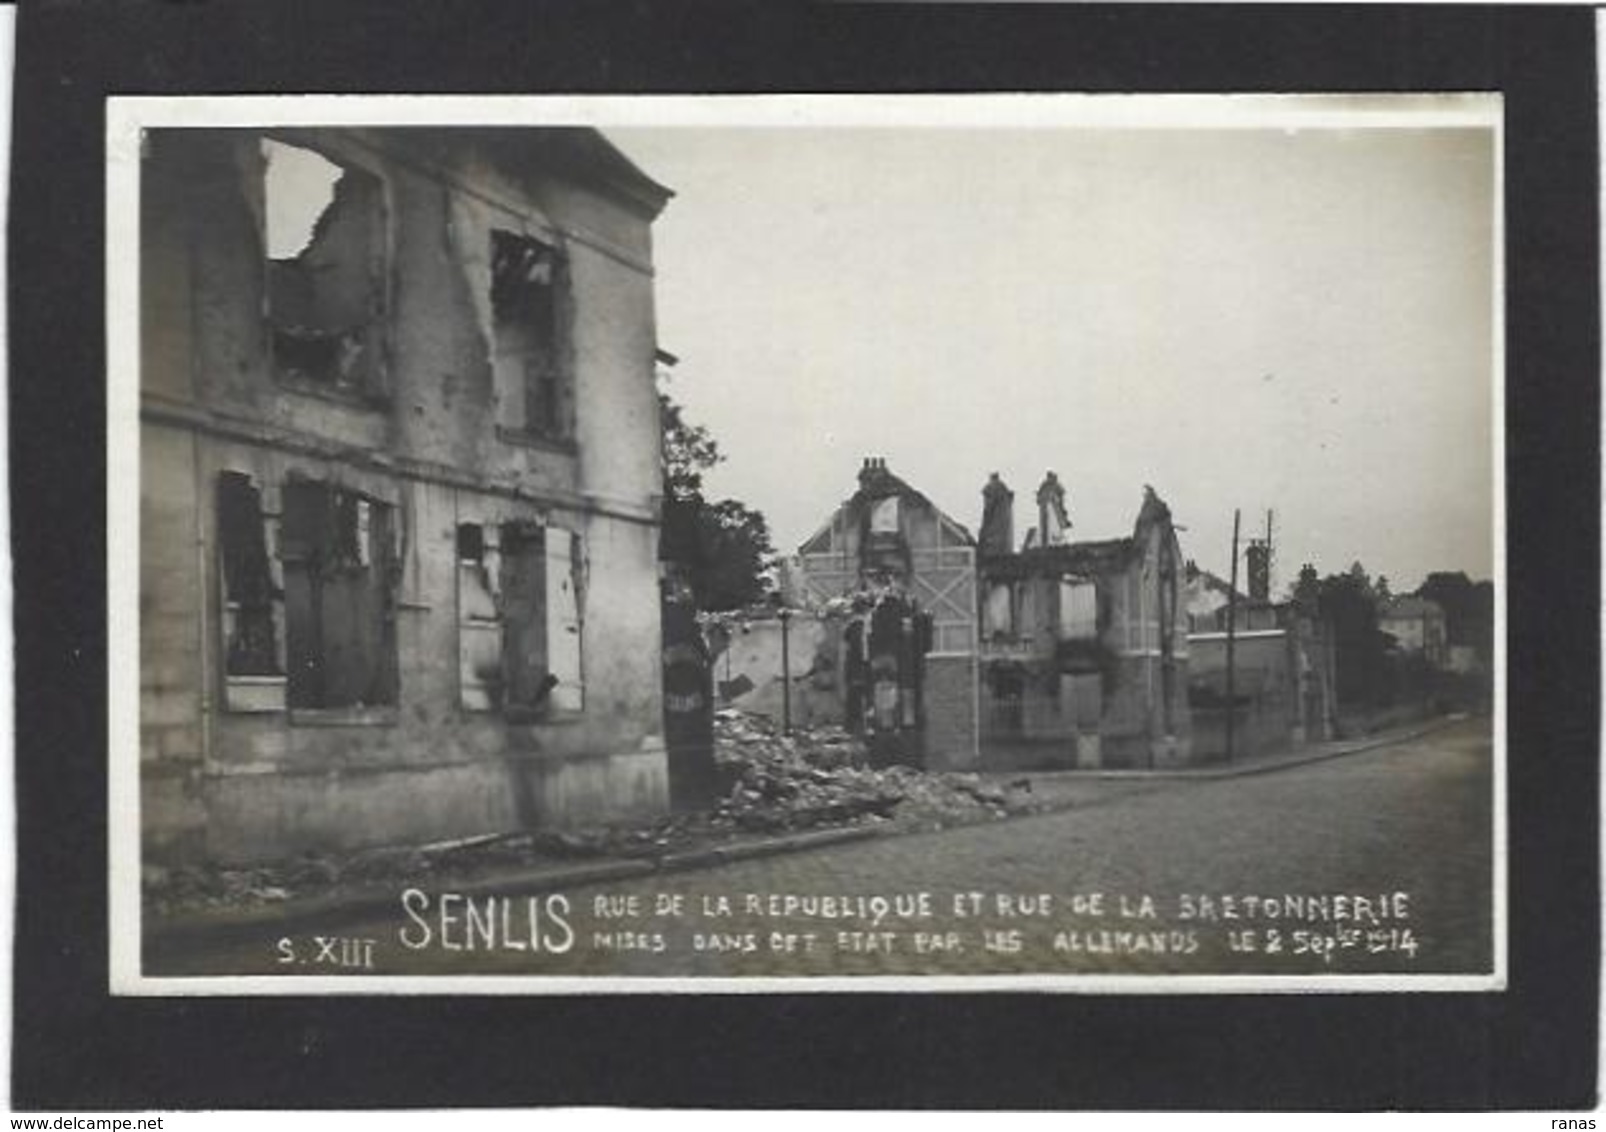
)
(819, 776)
(813, 777)
(201, 886)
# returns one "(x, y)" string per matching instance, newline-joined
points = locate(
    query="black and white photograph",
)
(886, 543)
(918, 557)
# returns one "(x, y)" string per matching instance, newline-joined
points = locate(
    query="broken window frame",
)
(479, 620)
(566, 581)
(884, 549)
(885, 516)
(367, 381)
(355, 535)
(250, 595)
(526, 693)
(548, 373)
(1001, 623)
(1078, 614)
(538, 672)
(1006, 701)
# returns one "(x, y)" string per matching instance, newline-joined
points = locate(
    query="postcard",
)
(917, 543)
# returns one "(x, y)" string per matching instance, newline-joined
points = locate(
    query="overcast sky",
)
(1296, 320)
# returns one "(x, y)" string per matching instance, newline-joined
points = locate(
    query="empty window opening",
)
(998, 615)
(529, 682)
(1008, 700)
(519, 619)
(479, 618)
(884, 516)
(471, 544)
(526, 278)
(1079, 610)
(323, 235)
(249, 592)
(337, 548)
(300, 188)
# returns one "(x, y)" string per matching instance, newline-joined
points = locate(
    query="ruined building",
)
(897, 578)
(1417, 625)
(1083, 645)
(399, 487)
(1282, 664)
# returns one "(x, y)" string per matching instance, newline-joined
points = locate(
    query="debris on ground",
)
(822, 776)
(771, 783)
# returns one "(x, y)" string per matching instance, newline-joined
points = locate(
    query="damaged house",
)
(895, 579)
(1283, 692)
(1084, 645)
(399, 487)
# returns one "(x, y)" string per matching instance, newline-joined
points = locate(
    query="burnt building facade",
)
(1083, 644)
(895, 580)
(400, 478)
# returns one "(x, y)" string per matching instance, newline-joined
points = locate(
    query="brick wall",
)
(950, 706)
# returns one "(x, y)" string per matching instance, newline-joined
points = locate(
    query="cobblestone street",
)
(1413, 819)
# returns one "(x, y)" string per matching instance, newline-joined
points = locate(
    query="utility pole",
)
(1270, 557)
(786, 671)
(1232, 631)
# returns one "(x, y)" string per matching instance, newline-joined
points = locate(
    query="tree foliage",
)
(734, 541)
(722, 547)
(1371, 669)
(1348, 603)
(689, 451)
(1468, 608)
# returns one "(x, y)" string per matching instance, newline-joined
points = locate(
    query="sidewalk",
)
(1066, 789)
(1278, 760)
(1050, 792)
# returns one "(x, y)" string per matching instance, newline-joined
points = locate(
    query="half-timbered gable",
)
(889, 543)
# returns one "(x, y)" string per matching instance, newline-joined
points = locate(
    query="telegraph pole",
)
(1232, 631)
(786, 671)
(1269, 556)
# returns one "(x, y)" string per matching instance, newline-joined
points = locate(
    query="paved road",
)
(1413, 819)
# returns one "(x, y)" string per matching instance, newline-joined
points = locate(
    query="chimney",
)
(1258, 558)
(997, 517)
(1052, 522)
(873, 470)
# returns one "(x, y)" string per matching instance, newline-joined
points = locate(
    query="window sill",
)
(344, 717)
(539, 441)
(519, 718)
(339, 395)
(246, 695)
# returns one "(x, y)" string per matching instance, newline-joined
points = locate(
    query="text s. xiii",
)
(346, 952)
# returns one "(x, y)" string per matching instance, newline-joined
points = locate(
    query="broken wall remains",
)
(238, 771)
